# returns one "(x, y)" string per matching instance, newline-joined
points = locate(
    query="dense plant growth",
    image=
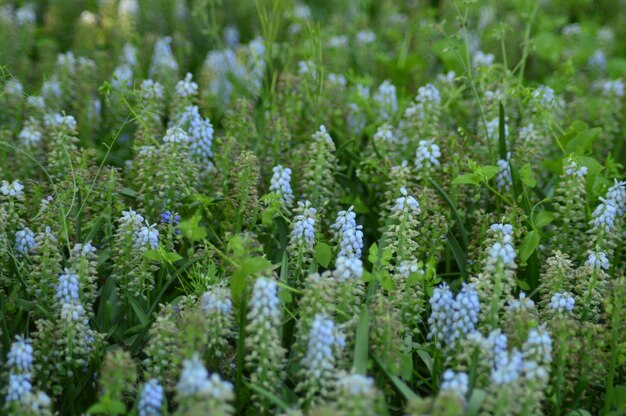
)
(334, 207)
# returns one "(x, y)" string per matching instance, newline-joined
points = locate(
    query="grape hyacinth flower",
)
(493, 129)
(20, 362)
(507, 367)
(303, 228)
(151, 399)
(522, 303)
(200, 131)
(453, 318)
(319, 362)
(562, 302)
(386, 100)
(147, 237)
(131, 218)
(30, 136)
(20, 357)
(597, 260)
(175, 135)
(347, 268)
(173, 219)
(217, 299)
(406, 203)
(504, 181)
(186, 87)
(481, 59)
(348, 234)
(280, 184)
(25, 241)
(14, 189)
(163, 58)
(67, 288)
(455, 382)
(265, 355)
(427, 155)
(264, 304)
(195, 381)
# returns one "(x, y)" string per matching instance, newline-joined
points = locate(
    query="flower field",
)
(280, 207)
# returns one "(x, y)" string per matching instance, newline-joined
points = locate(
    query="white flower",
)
(493, 129)
(151, 399)
(347, 268)
(132, 218)
(195, 381)
(25, 241)
(611, 87)
(386, 100)
(482, 59)
(19, 387)
(504, 181)
(338, 41)
(20, 357)
(365, 37)
(67, 288)
(406, 203)
(384, 134)
(597, 260)
(151, 90)
(562, 302)
(280, 184)
(163, 58)
(356, 385)
(147, 237)
(186, 87)
(122, 77)
(457, 383)
(427, 154)
(264, 303)
(348, 233)
(573, 170)
(507, 368)
(303, 231)
(30, 136)
(14, 189)
(217, 299)
(175, 135)
(319, 357)
(522, 303)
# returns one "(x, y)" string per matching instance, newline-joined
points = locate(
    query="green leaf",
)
(457, 252)
(386, 282)
(583, 141)
(373, 254)
(143, 317)
(396, 381)
(543, 218)
(502, 133)
(522, 284)
(192, 230)
(488, 171)
(361, 346)
(249, 266)
(466, 179)
(323, 253)
(173, 256)
(530, 243)
(526, 175)
(154, 255)
(476, 402)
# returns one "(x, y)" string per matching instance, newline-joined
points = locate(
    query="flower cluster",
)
(281, 185)
(453, 317)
